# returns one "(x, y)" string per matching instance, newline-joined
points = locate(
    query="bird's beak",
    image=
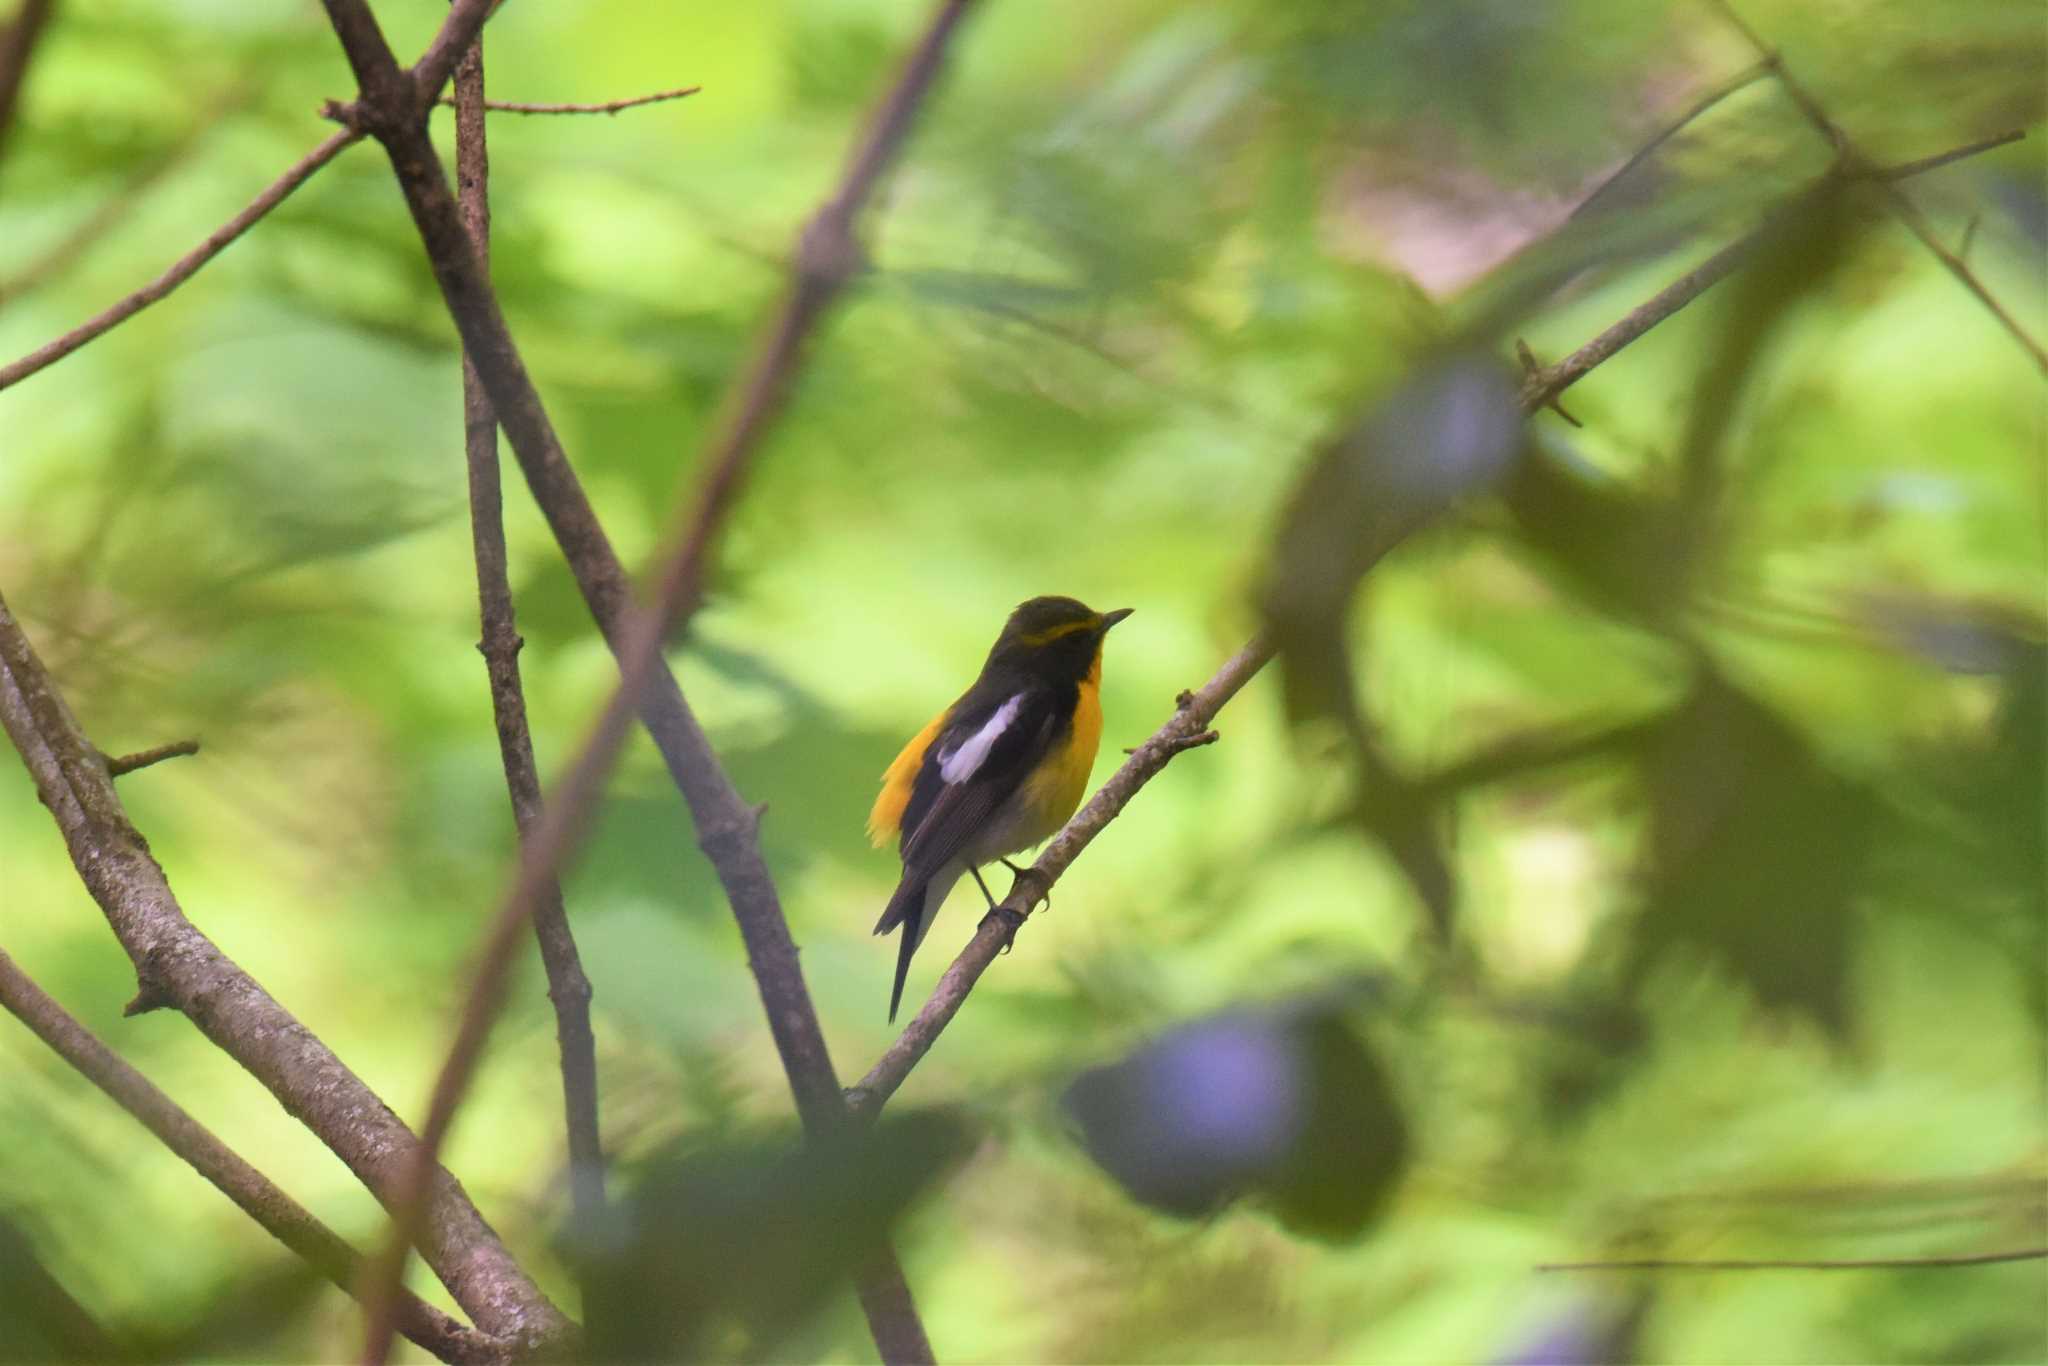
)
(1110, 619)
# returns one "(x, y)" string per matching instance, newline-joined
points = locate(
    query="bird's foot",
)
(1045, 899)
(1010, 920)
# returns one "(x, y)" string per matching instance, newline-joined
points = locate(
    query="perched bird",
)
(1000, 769)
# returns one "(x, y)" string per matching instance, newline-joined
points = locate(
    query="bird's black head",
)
(1057, 639)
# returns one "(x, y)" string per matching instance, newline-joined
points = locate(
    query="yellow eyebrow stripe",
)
(1052, 633)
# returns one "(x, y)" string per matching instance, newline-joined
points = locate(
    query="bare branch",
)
(1182, 731)
(827, 258)
(128, 763)
(1740, 81)
(17, 48)
(1541, 387)
(608, 107)
(568, 987)
(119, 205)
(2025, 1254)
(458, 34)
(1542, 384)
(253, 1193)
(1903, 208)
(181, 270)
(178, 966)
(1905, 170)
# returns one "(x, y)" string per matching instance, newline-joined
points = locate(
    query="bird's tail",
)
(906, 908)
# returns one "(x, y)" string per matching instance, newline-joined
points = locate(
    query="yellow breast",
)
(1054, 792)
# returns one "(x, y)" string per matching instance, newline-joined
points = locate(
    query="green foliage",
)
(1711, 733)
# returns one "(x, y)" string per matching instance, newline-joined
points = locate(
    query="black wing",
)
(942, 818)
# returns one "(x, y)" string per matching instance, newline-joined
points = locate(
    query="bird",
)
(999, 770)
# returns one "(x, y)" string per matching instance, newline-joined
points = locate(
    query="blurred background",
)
(1644, 859)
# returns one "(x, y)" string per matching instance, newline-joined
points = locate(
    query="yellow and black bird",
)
(1000, 769)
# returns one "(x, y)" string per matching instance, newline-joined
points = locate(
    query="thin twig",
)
(727, 828)
(128, 763)
(253, 1193)
(568, 986)
(1540, 390)
(1542, 385)
(119, 206)
(1902, 207)
(2025, 1254)
(176, 965)
(1190, 721)
(184, 268)
(1739, 81)
(17, 49)
(1905, 170)
(608, 107)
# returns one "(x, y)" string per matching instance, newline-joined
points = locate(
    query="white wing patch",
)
(960, 764)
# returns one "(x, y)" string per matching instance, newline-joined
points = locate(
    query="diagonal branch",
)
(1543, 384)
(253, 1193)
(188, 265)
(1186, 729)
(568, 987)
(1539, 390)
(727, 828)
(1903, 208)
(109, 213)
(1742, 80)
(178, 966)
(181, 270)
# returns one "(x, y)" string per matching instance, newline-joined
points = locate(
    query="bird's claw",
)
(1011, 921)
(1044, 899)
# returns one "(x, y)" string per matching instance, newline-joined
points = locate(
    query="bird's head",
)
(1056, 638)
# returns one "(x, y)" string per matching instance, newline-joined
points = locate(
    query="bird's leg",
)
(1011, 920)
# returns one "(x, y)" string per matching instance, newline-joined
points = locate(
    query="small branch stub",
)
(128, 763)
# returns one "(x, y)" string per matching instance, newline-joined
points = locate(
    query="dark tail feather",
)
(906, 908)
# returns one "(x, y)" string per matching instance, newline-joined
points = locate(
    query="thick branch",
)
(568, 987)
(181, 270)
(279, 1215)
(2025, 1254)
(1187, 728)
(178, 966)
